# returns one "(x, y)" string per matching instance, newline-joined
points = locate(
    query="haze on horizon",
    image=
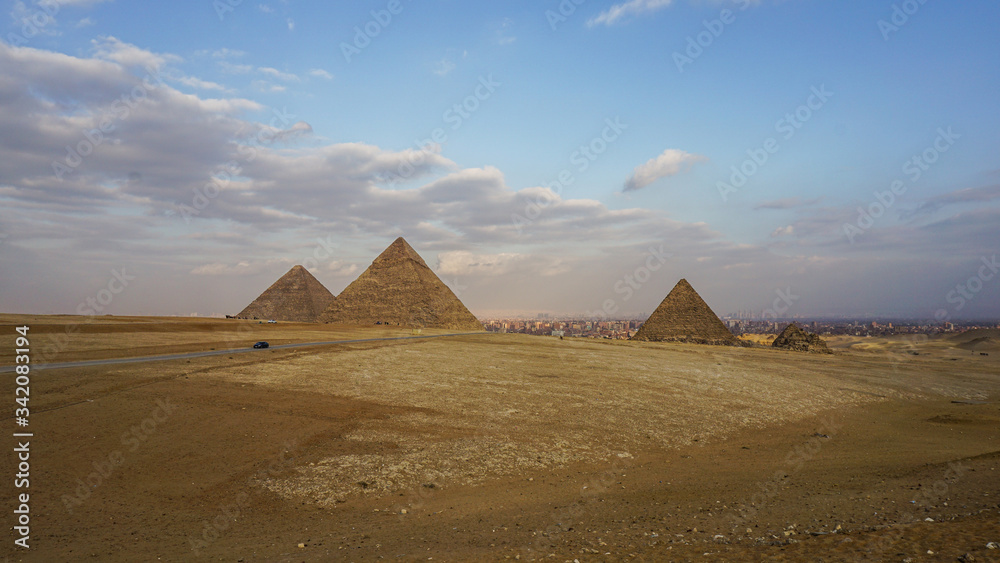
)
(541, 157)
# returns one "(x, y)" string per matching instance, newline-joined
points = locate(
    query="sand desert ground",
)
(496, 447)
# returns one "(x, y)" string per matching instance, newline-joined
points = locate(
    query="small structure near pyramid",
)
(683, 316)
(794, 338)
(399, 289)
(297, 296)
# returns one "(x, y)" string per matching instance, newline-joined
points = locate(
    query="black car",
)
(261, 345)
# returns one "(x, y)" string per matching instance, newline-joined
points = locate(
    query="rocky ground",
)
(506, 447)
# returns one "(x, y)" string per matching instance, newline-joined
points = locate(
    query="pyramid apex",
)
(398, 250)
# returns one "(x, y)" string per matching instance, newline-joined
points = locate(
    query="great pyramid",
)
(794, 338)
(684, 316)
(297, 296)
(399, 289)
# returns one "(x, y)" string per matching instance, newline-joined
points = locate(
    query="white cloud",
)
(339, 268)
(128, 165)
(669, 163)
(265, 86)
(783, 231)
(296, 130)
(113, 49)
(227, 106)
(242, 268)
(265, 8)
(227, 53)
(231, 68)
(81, 3)
(85, 22)
(320, 73)
(631, 8)
(463, 263)
(201, 84)
(291, 24)
(273, 72)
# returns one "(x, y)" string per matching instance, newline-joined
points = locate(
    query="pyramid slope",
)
(794, 338)
(400, 289)
(684, 316)
(297, 296)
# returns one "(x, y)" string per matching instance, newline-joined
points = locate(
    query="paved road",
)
(189, 355)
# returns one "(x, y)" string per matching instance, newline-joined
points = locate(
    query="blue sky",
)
(310, 144)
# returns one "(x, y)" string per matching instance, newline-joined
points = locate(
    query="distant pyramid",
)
(297, 296)
(399, 288)
(794, 338)
(684, 316)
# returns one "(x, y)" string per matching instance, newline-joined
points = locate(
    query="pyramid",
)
(297, 296)
(794, 338)
(399, 289)
(684, 316)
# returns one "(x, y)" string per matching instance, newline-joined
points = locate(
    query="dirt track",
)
(519, 447)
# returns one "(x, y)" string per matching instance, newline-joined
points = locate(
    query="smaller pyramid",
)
(400, 289)
(684, 316)
(794, 338)
(297, 296)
